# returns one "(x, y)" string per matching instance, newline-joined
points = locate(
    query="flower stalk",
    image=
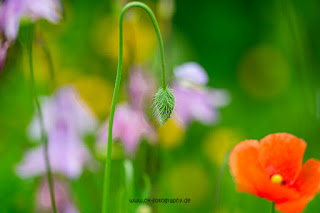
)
(272, 207)
(106, 186)
(27, 39)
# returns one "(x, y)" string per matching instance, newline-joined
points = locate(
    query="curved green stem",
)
(44, 136)
(47, 53)
(116, 91)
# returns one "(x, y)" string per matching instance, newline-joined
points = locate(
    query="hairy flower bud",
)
(163, 105)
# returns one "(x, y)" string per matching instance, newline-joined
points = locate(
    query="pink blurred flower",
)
(141, 88)
(62, 197)
(191, 72)
(67, 120)
(4, 45)
(130, 123)
(11, 11)
(195, 101)
(130, 126)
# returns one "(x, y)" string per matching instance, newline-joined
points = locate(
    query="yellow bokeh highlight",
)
(263, 72)
(139, 39)
(171, 135)
(219, 142)
(41, 66)
(189, 180)
(95, 91)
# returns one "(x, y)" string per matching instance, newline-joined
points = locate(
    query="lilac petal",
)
(34, 129)
(32, 163)
(47, 9)
(70, 208)
(66, 121)
(67, 107)
(75, 110)
(67, 154)
(13, 10)
(141, 88)
(130, 126)
(194, 104)
(4, 45)
(192, 72)
(62, 197)
(219, 97)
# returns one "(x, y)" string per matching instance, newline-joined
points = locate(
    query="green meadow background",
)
(266, 54)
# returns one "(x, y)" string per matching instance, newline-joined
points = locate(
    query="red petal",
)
(251, 178)
(308, 182)
(282, 153)
(294, 206)
(277, 192)
(244, 166)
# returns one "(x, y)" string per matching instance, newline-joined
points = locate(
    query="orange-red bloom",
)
(272, 169)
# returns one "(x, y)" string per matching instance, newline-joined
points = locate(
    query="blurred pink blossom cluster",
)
(194, 102)
(130, 121)
(11, 13)
(67, 119)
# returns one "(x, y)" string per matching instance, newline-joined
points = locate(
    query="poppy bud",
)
(163, 105)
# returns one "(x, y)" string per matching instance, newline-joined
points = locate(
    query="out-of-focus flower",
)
(96, 92)
(194, 101)
(141, 88)
(62, 197)
(166, 9)
(129, 126)
(272, 169)
(171, 135)
(66, 119)
(4, 45)
(139, 38)
(130, 123)
(144, 209)
(219, 142)
(13, 10)
(263, 72)
(191, 72)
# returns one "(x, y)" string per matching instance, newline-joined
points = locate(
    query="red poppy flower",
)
(272, 169)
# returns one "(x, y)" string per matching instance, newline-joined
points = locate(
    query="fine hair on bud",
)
(163, 104)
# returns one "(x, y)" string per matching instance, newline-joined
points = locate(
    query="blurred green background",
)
(265, 53)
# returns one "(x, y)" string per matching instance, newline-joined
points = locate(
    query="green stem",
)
(116, 91)
(49, 61)
(44, 136)
(219, 180)
(272, 207)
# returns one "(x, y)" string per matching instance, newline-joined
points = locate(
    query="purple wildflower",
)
(141, 88)
(130, 126)
(195, 101)
(11, 11)
(4, 45)
(62, 197)
(130, 123)
(67, 120)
